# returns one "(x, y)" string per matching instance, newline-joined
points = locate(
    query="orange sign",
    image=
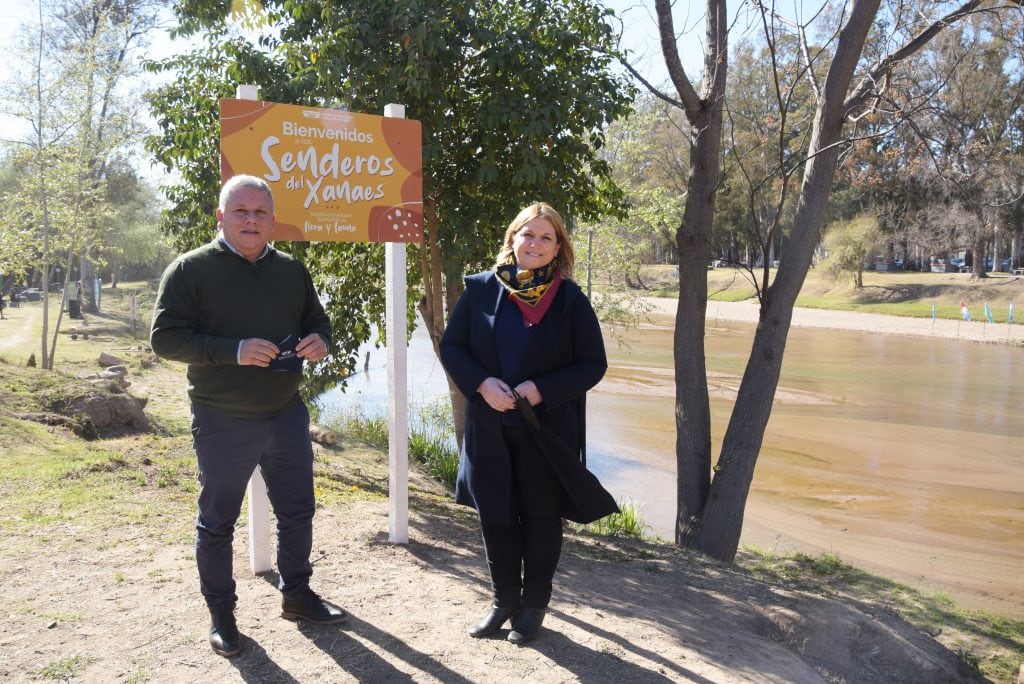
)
(335, 175)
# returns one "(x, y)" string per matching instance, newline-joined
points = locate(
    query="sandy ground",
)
(976, 331)
(122, 605)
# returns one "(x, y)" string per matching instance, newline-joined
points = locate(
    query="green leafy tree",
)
(848, 244)
(512, 102)
(133, 244)
(644, 153)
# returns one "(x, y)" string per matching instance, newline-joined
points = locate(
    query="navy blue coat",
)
(565, 357)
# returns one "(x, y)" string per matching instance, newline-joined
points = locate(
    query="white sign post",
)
(398, 395)
(259, 503)
(398, 402)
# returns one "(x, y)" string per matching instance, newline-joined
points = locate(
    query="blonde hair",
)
(566, 257)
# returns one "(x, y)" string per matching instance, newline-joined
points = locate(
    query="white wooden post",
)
(398, 395)
(259, 503)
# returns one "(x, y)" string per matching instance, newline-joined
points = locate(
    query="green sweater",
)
(210, 299)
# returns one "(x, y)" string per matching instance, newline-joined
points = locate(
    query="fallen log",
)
(322, 435)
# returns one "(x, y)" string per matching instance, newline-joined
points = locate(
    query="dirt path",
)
(19, 325)
(113, 597)
(623, 610)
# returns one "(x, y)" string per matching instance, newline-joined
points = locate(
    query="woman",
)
(524, 346)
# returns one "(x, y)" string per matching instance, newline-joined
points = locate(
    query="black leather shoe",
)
(224, 637)
(493, 622)
(308, 606)
(526, 625)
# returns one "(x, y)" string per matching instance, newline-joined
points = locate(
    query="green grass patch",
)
(994, 644)
(627, 522)
(431, 436)
(49, 478)
(740, 295)
(896, 293)
(64, 669)
(432, 446)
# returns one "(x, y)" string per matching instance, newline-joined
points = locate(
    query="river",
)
(901, 455)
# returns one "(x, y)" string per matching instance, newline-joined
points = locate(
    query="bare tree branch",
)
(654, 90)
(880, 72)
(691, 102)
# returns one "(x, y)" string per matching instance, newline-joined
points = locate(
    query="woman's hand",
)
(497, 394)
(529, 390)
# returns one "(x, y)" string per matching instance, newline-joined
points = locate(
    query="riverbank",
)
(747, 311)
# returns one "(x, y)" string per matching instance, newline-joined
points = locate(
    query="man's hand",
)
(497, 394)
(257, 352)
(312, 347)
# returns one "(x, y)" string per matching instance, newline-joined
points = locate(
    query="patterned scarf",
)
(532, 291)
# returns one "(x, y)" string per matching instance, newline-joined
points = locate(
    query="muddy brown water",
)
(903, 456)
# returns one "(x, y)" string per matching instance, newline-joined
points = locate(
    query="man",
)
(244, 316)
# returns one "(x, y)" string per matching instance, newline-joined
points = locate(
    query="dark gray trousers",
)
(228, 450)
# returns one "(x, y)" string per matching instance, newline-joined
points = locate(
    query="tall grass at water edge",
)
(431, 436)
(432, 444)
(627, 522)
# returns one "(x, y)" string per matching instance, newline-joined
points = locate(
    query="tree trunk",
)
(693, 245)
(997, 252)
(978, 266)
(432, 306)
(87, 275)
(718, 533)
(693, 409)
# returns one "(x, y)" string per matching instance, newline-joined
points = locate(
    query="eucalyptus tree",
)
(511, 94)
(972, 128)
(850, 84)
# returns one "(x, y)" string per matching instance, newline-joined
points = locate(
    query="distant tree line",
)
(935, 170)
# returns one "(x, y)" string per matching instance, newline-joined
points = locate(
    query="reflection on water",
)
(900, 454)
(368, 389)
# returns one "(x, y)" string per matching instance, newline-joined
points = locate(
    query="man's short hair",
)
(243, 181)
